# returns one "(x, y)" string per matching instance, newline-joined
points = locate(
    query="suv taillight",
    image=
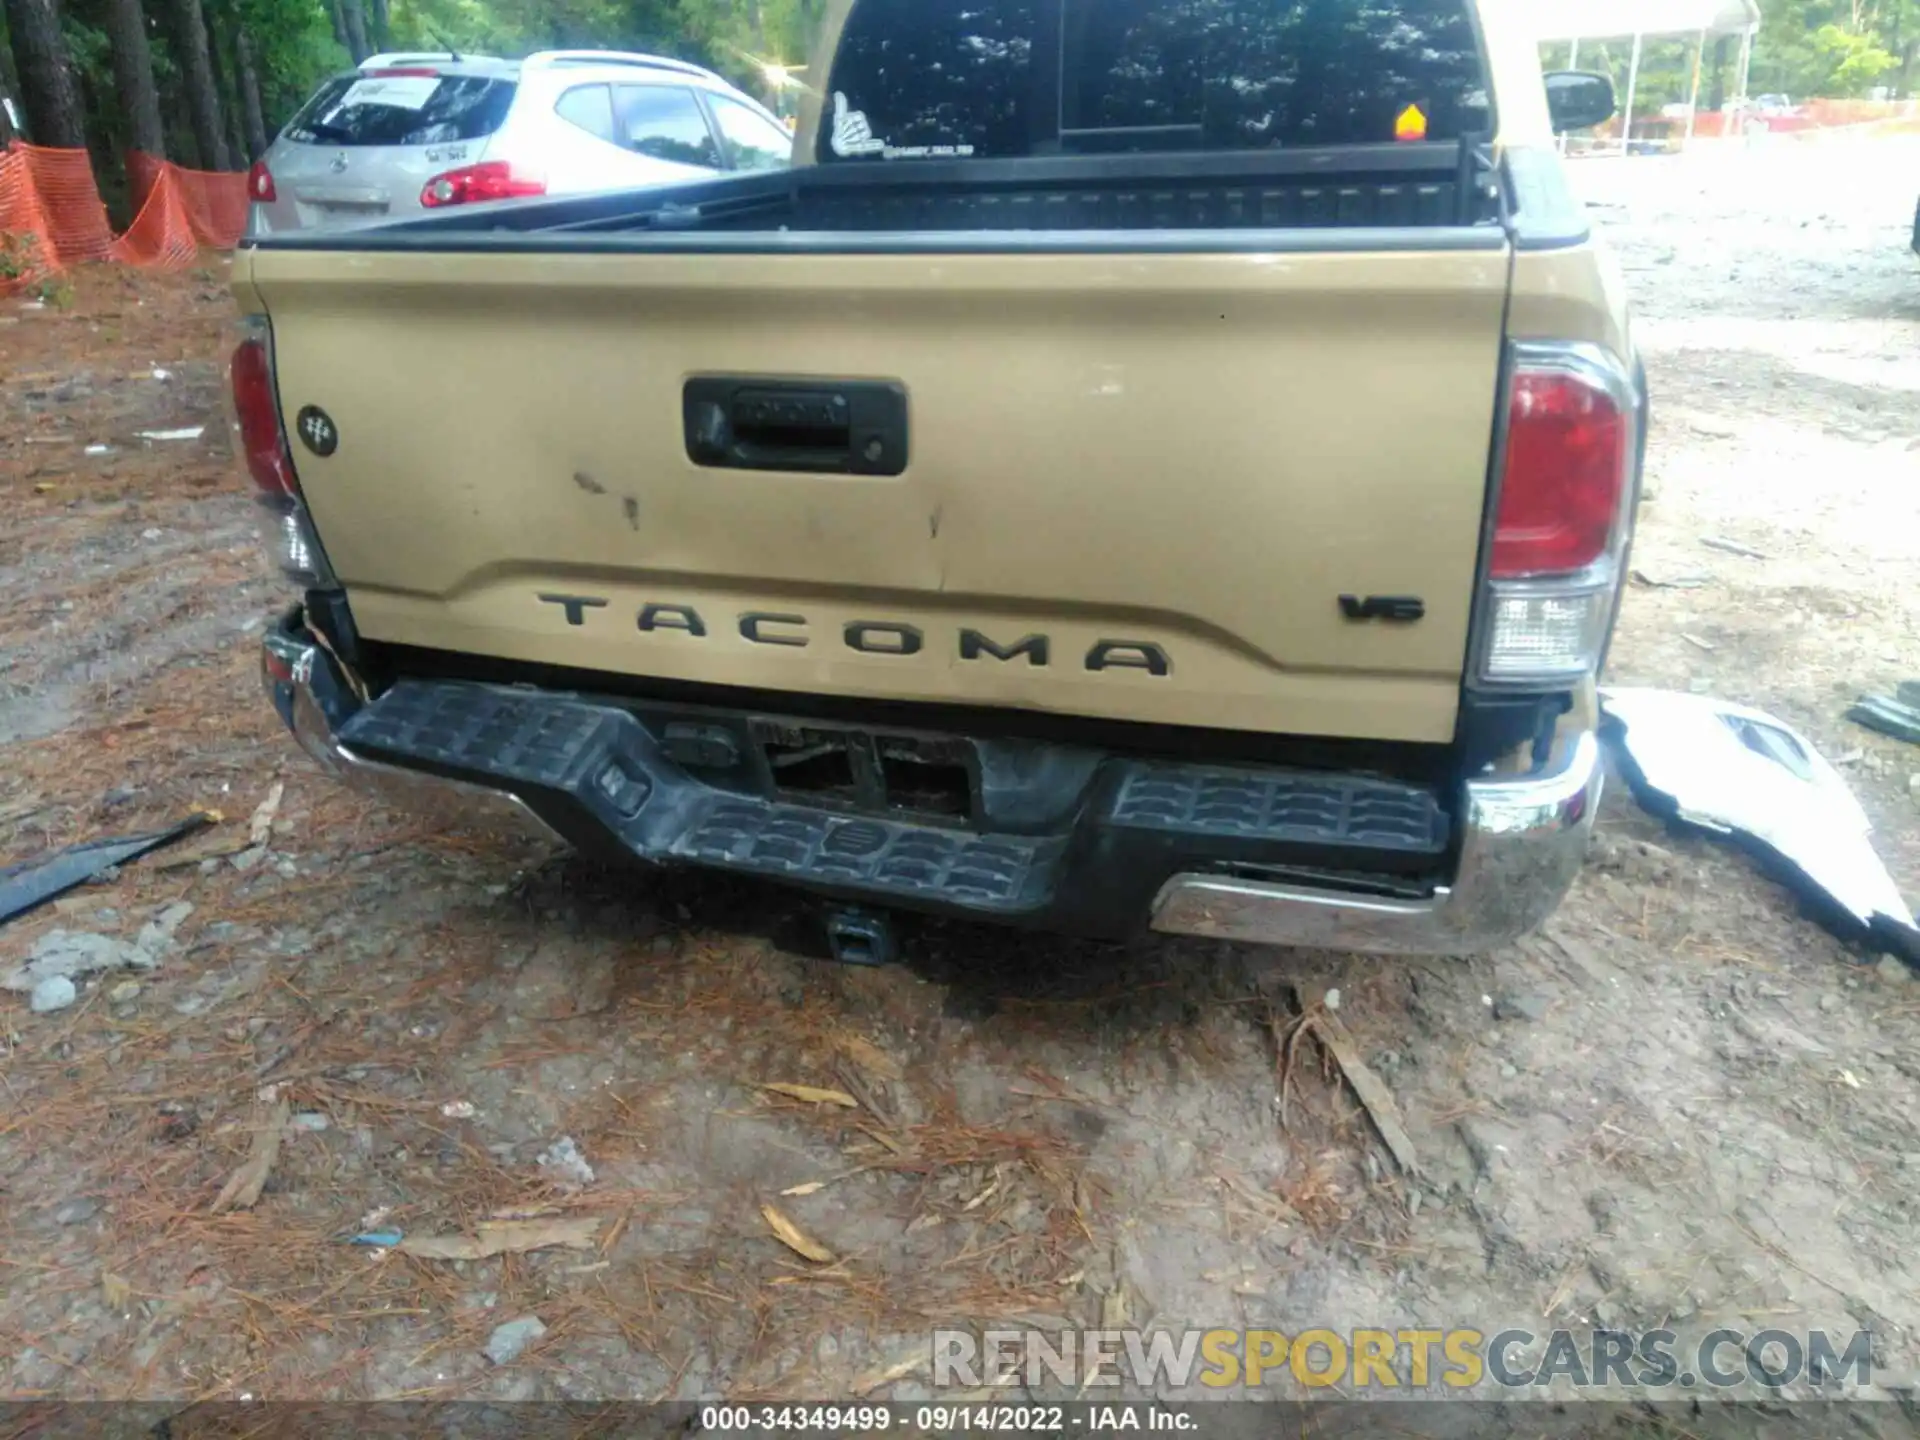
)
(1561, 513)
(260, 184)
(471, 184)
(262, 442)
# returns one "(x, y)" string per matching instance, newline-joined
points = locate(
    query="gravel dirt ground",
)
(1681, 1104)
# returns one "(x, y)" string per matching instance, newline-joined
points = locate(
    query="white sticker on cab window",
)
(402, 92)
(852, 135)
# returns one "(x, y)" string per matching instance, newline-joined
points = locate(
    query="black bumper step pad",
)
(605, 760)
(528, 736)
(597, 768)
(984, 872)
(1337, 810)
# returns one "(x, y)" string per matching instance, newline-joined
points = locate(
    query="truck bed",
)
(1376, 191)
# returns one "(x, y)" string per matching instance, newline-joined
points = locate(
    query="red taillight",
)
(399, 70)
(489, 180)
(1566, 471)
(257, 410)
(260, 183)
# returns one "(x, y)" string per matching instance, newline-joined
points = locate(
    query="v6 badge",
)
(317, 430)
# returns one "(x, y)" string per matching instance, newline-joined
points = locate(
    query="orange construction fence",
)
(1808, 117)
(51, 214)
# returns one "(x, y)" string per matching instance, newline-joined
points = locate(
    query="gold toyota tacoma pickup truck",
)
(1145, 464)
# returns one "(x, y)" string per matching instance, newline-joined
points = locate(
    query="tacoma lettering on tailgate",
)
(874, 637)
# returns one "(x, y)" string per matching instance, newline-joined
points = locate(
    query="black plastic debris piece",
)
(1741, 775)
(32, 883)
(1897, 715)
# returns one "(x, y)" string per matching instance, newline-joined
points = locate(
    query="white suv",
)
(410, 132)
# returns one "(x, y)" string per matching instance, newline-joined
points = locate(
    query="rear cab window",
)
(403, 110)
(1010, 79)
(1093, 116)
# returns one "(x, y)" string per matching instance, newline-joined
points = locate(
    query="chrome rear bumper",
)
(1523, 840)
(287, 669)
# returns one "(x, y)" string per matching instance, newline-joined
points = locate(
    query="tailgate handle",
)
(854, 427)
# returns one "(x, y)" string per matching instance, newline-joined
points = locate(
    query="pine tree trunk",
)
(238, 151)
(10, 86)
(339, 23)
(249, 81)
(356, 23)
(381, 32)
(133, 77)
(223, 92)
(48, 91)
(196, 74)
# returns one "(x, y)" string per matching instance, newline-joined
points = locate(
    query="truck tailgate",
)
(1170, 466)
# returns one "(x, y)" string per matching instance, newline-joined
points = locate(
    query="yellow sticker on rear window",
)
(1411, 124)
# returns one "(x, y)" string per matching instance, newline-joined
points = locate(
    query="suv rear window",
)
(1001, 79)
(403, 110)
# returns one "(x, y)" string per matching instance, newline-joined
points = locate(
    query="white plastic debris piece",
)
(160, 374)
(98, 450)
(56, 992)
(564, 1160)
(1744, 776)
(509, 1341)
(260, 827)
(457, 1110)
(65, 953)
(156, 937)
(1333, 999)
(190, 432)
